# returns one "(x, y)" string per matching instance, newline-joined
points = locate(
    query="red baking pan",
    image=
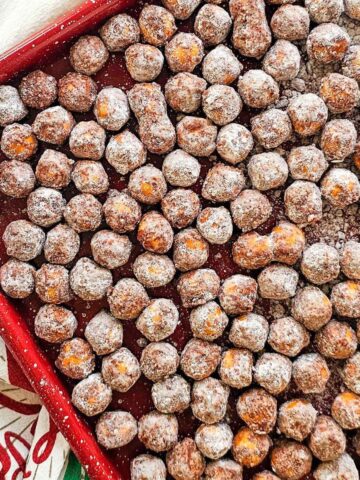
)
(39, 48)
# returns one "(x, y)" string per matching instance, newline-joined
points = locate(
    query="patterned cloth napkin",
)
(30, 445)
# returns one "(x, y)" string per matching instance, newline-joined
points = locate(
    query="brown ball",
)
(76, 358)
(327, 440)
(278, 282)
(258, 89)
(308, 114)
(288, 242)
(327, 43)
(183, 92)
(311, 373)
(249, 448)
(91, 396)
(190, 250)
(340, 93)
(336, 340)
(157, 431)
(271, 128)
(236, 368)
(307, 163)
(252, 251)
(184, 52)
(155, 233)
(212, 24)
(287, 336)
(311, 307)
(185, 462)
(320, 263)
(345, 410)
(120, 370)
(119, 32)
(340, 187)
(38, 90)
(221, 66)
(238, 294)
(180, 207)
(88, 55)
(258, 409)
(157, 25)
(18, 142)
(209, 400)
(345, 297)
(77, 92)
(250, 209)
(338, 139)
(296, 419)
(282, 61)
(290, 22)
(291, 460)
(273, 372)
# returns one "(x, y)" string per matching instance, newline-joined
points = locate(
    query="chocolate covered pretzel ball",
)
(287, 336)
(143, 62)
(89, 281)
(350, 63)
(109, 249)
(153, 270)
(221, 104)
(324, 11)
(234, 143)
(212, 24)
(12, 108)
(307, 163)
(45, 206)
(271, 128)
(23, 240)
(181, 169)
(76, 358)
(236, 368)
(91, 396)
(147, 467)
(54, 324)
(54, 169)
(190, 250)
(320, 263)
(249, 331)
(267, 170)
(208, 321)
(209, 399)
(184, 52)
(215, 225)
(83, 213)
(157, 25)
(273, 372)
(327, 440)
(181, 9)
(87, 140)
(125, 152)
(221, 66)
(345, 410)
(158, 320)
(77, 92)
(250, 209)
(342, 466)
(115, 429)
(183, 92)
(17, 179)
(155, 233)
(351, 373)
(120, 370)
(147, 185)
(250, 448)
(104, 333)
(127, 299)
(38, 90)
(119, 32)
(327, 43)
(111, 108)
(336, 340)
(53, 125)
(88, 55)
(278, 282)
(288, 242)
(158, 431)
(338, 139)
(350, 260)
(171, 394)
(308, 114)
(290, 22)
(159, 360)
(197, 136)
(258, 89)
(198, 287)
(90, 177)
(184, 461)
(282, 61)
(291, 460)
(122, 212)
(252, 251)
(17, 278)
(18, 142)
(311, 307)
(223, 469)
(340, 93)
(223, 183)
(180, 207)
(214, 441)
(199, 359)
(296, 419)
(52, 284)
(62, 244)
(311, 373)
(340, 187)
(238, 294)
(258, 409)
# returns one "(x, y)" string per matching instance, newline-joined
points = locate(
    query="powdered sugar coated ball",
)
(308, 114)
(307, 163)
(271, 128)
(327, 43)
(258, 89)
(180, 169)
(282, 61)
(303, 202)
(278, 282)
(324, 11)
(267, 171)
(338, 139)
(340, 187)
(88, 280)
(183, 92)
(215, 224)
(234, 143)
(220, 66)
(111, 108)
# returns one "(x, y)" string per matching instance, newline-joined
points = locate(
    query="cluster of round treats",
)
(239, 173)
